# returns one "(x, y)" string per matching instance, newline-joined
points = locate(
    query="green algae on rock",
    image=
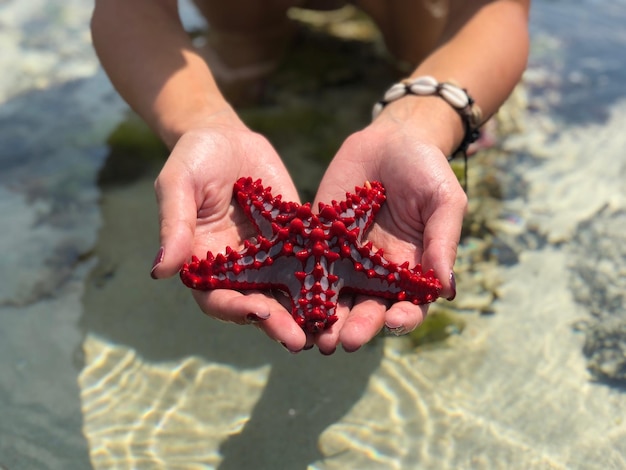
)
(438, 325)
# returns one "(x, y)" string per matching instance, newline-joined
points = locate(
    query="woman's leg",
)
(411, 28)
(246, 40)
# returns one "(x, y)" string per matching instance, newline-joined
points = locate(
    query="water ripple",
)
(144, 415)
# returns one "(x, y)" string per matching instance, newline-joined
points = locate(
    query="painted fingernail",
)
(157, 260)
(255, 317)
(452, 286)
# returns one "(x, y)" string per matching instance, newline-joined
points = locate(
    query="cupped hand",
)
(197, 214)
(420, 222)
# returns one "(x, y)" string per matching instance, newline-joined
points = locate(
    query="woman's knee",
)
(244, 15)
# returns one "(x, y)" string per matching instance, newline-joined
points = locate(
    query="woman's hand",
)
(196, 211)
(420, 221)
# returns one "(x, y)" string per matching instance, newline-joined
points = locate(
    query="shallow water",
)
(103, 368)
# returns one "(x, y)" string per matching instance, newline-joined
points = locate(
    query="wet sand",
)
(101, 364)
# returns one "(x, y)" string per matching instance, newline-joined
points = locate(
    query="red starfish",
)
(311, 257)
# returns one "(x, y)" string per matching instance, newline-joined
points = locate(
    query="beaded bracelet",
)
(454, 95)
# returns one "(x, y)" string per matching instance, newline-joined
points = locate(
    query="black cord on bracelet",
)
(471, 135)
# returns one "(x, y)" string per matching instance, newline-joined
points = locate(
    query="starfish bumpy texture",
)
(311, 257)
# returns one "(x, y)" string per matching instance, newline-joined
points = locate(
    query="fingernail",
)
(396, 330)
(351, 350)
(157, 260)
(452, 286)
(257, 317)
(329, 353)
(307, 347)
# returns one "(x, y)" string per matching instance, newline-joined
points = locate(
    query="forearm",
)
(152, 64)
(487, 55)
(484, 51)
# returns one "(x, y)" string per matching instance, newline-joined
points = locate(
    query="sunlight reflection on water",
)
(159, 386)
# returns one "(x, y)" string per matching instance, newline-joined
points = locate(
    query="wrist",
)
(189, 100)
(455, 97)
(426, 118)
(172, 126)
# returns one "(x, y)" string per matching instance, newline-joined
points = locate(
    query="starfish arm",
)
(268, 213)
(358, 210)
(245, 270)
(316, 305)
(375, 276)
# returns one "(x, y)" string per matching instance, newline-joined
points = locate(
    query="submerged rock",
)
(599, 282)
(605, 348)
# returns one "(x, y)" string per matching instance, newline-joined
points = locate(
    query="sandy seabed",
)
(512, 389)
(101, 366)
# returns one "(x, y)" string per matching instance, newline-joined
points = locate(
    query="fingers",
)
(404, 317)
(177, 220)
(253, 308)
(441, 238)
(328, 340)
(356, 325)
(367, 317)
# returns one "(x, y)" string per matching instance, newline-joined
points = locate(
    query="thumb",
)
(441, 239)
(177, 221)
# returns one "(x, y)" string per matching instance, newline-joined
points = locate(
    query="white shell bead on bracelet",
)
(425, 85)
(378, 107)
(395, 92)
(455, 96)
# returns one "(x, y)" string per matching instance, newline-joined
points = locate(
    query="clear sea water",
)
(102, 368)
